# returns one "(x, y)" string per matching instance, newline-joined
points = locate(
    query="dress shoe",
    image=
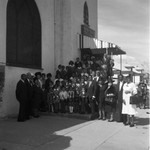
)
(127, 123)
(104, 118)
(27, 118)
(132, 125)
(110, 120)
(99, 118)
(20, 120)
(36, 116)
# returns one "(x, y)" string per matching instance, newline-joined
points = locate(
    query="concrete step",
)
(72, 115)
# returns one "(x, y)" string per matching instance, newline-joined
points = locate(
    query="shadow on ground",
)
(141, 121)
(38, 133)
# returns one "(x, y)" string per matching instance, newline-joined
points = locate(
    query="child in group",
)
(71, 98)
(50, 100)
(76, 96)
(67, 86)
(63, 94)
(56, 98)
(82, 95)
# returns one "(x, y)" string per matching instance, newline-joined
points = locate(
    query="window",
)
(86, 14)
(23, 37)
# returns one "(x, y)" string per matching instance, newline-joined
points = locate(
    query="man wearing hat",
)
(29, 84)
(121, 82)
(21, 95)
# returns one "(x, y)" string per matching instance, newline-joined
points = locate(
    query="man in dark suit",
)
(96, 91)
(29, 84)
(90, 94)
(21, 95)
(120, 117)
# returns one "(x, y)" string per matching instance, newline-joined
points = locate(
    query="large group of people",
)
(84, 87)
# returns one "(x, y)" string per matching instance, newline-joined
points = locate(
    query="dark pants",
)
(83, 101)
(119, 112)
(62, 102)
(43, 104)
(92, 104)
(76, 105)
(124, 118)
(56, 107)
(22, 116)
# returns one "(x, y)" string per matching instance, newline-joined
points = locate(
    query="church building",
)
(38, 35)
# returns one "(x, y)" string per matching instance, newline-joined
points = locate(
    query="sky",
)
(126, 24)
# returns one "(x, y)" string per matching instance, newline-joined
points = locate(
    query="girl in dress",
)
(111, 99)
(50, 100)
(71, 98)
(101, 87)
(77, 96)
(56, 98)
(63, 94)
(82, 91)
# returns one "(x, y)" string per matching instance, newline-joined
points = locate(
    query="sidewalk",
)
(63, 133)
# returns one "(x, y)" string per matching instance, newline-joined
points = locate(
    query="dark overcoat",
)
(21, 95)
(37, 96)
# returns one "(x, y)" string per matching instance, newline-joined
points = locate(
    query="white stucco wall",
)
(9, 106)
(67, 34)
(46, 9)
(77, 8)
(58, 32)
(68, 21)
(3, 4)
(59, 42)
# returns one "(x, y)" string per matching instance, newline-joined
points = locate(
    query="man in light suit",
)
(121, 118)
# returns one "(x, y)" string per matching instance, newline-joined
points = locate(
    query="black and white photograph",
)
(74, 74)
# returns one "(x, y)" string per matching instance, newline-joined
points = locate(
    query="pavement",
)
(52, 132)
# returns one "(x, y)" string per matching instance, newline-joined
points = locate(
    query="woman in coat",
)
(101, 87)
(111, 99)
(37, 97)
(129, 89)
